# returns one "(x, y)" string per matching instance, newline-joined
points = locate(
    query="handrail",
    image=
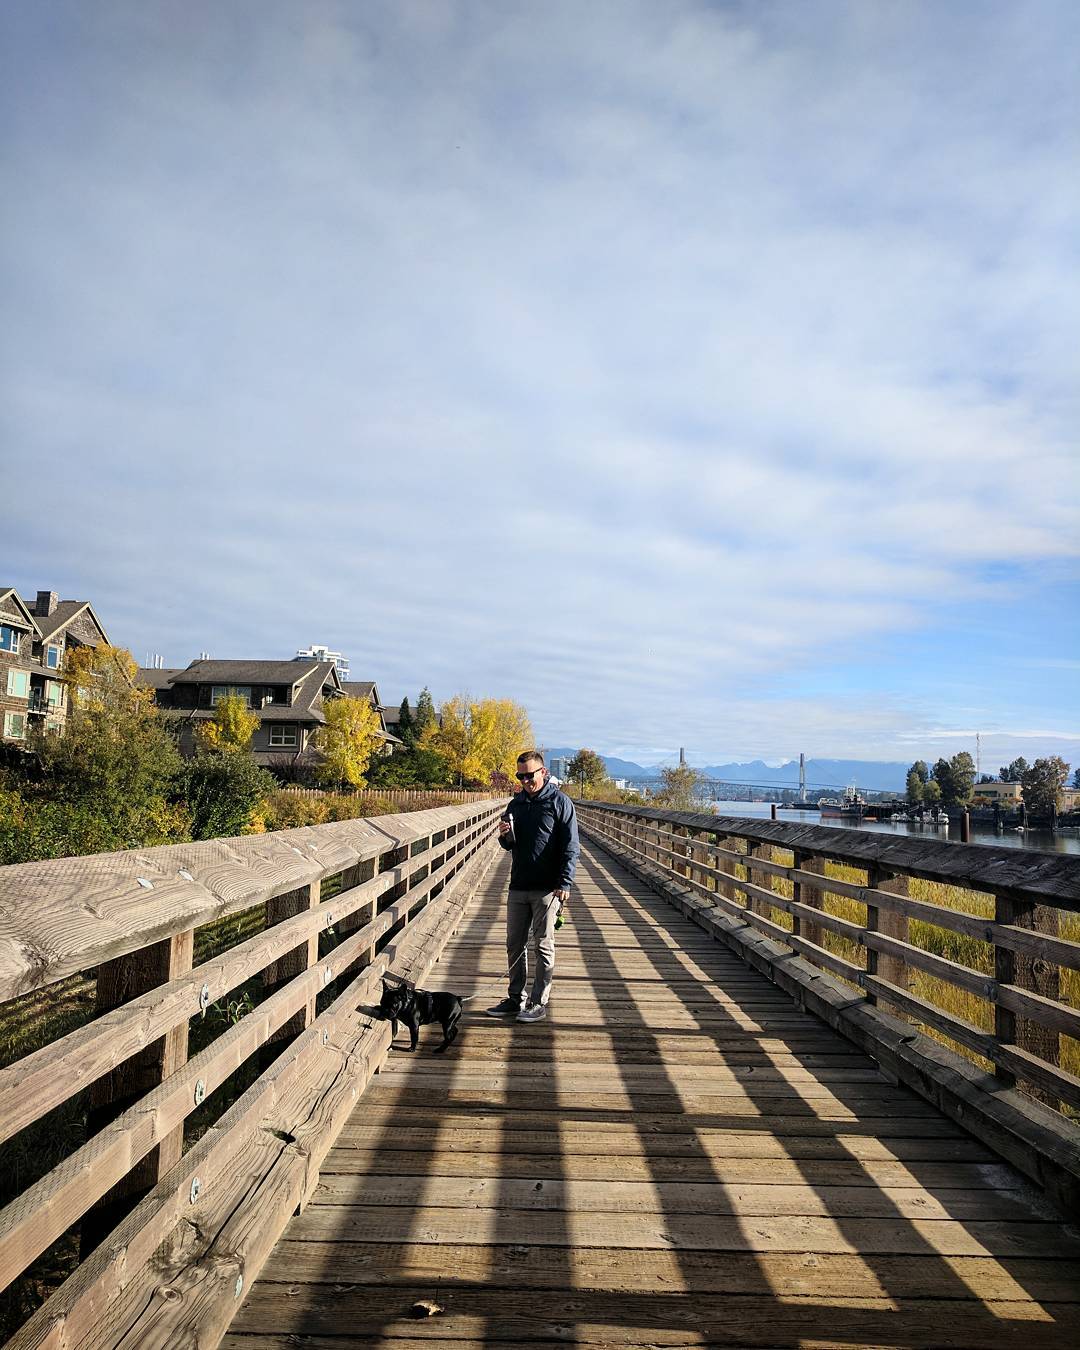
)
(132, 917)
(728, 866)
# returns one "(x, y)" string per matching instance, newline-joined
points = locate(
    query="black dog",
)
(416, 1008)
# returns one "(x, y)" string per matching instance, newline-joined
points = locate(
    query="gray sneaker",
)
(507, 1008)
(533, 1012)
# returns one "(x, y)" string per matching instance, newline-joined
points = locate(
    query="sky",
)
(695, 374)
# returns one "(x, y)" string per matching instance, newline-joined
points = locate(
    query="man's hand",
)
(504, 827)
(562, 896)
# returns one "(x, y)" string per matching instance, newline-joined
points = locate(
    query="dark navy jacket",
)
(545, 843)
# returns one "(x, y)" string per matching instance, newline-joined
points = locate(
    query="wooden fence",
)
(172, 1234)
(406, 798)
(726, 874)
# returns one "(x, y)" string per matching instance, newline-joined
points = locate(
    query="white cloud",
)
(628, 360)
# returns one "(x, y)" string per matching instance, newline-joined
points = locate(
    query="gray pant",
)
(532, 912)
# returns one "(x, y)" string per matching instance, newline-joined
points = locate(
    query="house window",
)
(15, 726)
(55, 694)
(52, 657)
(9, 639)
(219, 691)
(18, 684)
(282, 734)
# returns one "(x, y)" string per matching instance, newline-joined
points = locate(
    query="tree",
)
(230, 729)
(347, 742)
(449, 736)
(406, 726)
(915, 784)
(424, 717)
(479, 738)
(955, 778)
(931, 794)
(1014, 772)
(1043, 783)
(108, 780)
(225, 794)
(681, 790)
(586, 767)
(1076, 780)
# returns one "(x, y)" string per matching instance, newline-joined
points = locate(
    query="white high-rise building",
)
(317, 653)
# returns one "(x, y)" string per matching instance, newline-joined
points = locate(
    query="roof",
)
(28, 621)
(249, 672)
(66, 610)
(307, 682)
(358, 688)
(155, 677)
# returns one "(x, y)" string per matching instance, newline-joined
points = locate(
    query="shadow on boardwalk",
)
(678, 1156)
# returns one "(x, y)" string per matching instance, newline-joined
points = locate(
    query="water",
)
(1064, 841)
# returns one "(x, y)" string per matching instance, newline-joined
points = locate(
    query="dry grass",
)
(940, 941)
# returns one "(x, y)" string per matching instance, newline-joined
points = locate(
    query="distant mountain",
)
(872, 774)
(617, 768)
(876, 775)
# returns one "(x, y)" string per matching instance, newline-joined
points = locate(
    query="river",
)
(1064, 841)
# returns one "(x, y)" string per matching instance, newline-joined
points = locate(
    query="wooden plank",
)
(644, 1232)
(788, 1275)
(777, 1139)
(732, 1105)
(647, 1166)
(667, 1198)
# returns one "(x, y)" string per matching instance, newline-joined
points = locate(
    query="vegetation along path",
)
(678, 1156)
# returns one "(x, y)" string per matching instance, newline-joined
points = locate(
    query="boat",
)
(850, 806)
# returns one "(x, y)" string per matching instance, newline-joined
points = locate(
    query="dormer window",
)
(52, 657)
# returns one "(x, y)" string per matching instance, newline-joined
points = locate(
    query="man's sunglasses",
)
(524, 777)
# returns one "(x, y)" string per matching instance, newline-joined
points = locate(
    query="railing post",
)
(350, 877)
(892, 924)
(119, 982)
(293, 963)
(1031, 973)
(757, 851)
(808, 895)
(724, 888)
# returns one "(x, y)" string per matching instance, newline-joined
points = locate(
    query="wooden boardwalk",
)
(678, 1156)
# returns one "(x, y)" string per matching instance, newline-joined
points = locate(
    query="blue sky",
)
(696, 374)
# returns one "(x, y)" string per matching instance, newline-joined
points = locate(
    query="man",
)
(540, 828)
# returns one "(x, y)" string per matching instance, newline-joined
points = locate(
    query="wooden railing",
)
(172, 1232)
(403, 797)
(727, 873)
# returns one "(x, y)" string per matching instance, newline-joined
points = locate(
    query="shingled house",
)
(289, 697)
(35, 639)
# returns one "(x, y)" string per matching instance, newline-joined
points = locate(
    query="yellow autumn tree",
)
(231, 727)
(103, 679)
(348, 741)
(480, 738)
